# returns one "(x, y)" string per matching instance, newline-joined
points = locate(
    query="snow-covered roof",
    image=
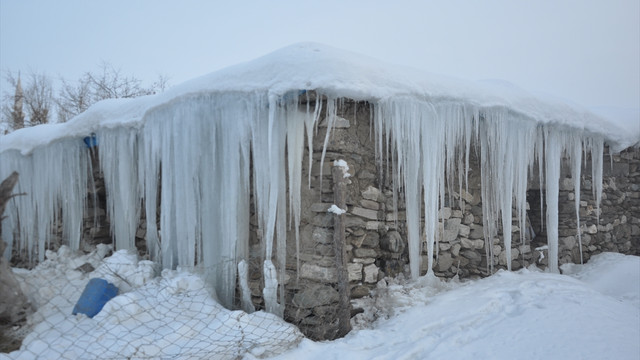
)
(336, 72)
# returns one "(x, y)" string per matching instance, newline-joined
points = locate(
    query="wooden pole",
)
(344, 303)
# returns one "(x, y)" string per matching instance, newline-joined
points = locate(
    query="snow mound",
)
(173, 315)
(527, 314)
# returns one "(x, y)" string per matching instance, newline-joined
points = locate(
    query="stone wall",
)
(376, 236)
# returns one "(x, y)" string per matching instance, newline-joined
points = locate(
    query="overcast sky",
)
(582, 50)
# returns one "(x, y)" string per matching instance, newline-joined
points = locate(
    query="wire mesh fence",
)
(168, 314)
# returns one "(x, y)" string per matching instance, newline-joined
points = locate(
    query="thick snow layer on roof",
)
(340, 73)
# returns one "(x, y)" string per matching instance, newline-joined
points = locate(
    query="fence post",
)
(344, 303)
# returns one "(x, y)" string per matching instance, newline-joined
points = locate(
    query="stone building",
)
(236, 171)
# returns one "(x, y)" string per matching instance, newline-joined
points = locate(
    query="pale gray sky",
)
(583, 50)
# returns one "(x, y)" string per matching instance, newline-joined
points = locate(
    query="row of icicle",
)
(197, 157)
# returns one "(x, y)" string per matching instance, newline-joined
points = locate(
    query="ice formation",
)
(204, 147)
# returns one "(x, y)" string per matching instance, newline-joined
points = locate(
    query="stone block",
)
(365, 261)
(359, 291)
(369, 204)
(371, 193)
(452, 224)
(449, 235)
(374, 225)
(354, 222)
(477, 232)
(444, 213)
(322, 235)
(568, 242)
(371, 239)
(466, 196)
(365, 213)
(370, 273)
(455, 250)
(464, 230)
(364, 253)
(400, 216)
(338, 123)
(392, 242)
(320, 207)
(444, 262)
(355, 271)
(318, 273)
(315, 295)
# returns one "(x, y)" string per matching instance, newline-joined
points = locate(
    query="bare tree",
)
(108, 83)
(73, 99)
(38, 97)
(13, 115)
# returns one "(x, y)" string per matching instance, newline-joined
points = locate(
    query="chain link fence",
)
(168, 314)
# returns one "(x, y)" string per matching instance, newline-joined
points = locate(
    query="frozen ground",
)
(590, 312)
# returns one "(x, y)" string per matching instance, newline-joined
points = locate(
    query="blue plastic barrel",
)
(95, 295)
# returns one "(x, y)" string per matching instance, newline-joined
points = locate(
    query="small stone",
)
(593, 229)
(468, 219)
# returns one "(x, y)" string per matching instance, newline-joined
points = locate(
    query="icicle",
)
(245, 291)
(118, 155)
(553, 157)
(575, 155)
(596, 147)
(331, 119)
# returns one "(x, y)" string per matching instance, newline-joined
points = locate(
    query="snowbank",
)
(591, 314)
(173, 315)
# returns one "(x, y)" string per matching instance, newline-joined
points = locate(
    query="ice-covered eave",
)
(334, 73)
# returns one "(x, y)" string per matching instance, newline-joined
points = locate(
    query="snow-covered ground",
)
(592, 311)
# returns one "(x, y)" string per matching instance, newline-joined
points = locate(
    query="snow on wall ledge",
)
(196, 145)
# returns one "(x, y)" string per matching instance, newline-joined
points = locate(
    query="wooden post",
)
(13, 304)
(344, 303)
